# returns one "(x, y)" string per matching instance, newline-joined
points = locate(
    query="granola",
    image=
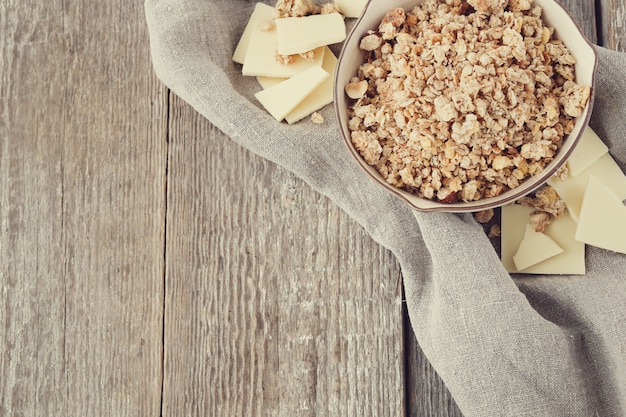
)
(547, 205)
(296, 8)
(464, 100)
(317, 118)
(545, 199)
(495, 231)
(484, 216)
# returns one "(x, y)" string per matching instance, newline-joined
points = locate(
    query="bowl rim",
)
(477, 205)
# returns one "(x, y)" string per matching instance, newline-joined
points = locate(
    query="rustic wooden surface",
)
(153, 267)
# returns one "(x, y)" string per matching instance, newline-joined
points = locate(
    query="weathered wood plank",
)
(283, 317)
(31, 272)
(82, 171)
(584, 13)
(277, 304)
(427, 395)
(114, 174)
(613, 18)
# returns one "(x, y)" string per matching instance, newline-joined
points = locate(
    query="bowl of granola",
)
(463, 105)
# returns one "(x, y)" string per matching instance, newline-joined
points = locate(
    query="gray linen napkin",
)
(504, 346)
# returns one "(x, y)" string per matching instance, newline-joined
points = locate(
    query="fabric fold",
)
(476, 318)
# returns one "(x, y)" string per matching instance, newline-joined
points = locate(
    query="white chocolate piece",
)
(321, 96)
(572, 261)
(267, 82)
(572, 189)
(562, 230)
(262, 13)
(351, 8)
(588, 150)
(512, 225)
(261, 58)
(602, 221)
(535, 247)
(282, 98)
(297, 35)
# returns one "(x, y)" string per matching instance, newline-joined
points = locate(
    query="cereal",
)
(539, 220)
(545, 199)
(296, 8)
(547, 205)
(317, 118)
(495, 231)
(464, 100)
(484, 216)
(357, 89)
(329, 8)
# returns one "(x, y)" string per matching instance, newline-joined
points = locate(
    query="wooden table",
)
(150, 266)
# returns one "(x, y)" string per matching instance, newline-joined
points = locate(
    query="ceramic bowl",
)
(554, 15)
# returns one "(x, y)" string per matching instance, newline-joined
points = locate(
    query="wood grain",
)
(31, 217)
(113, 186)
(82, 171)
(613, 17)
(152, 267)
(584, 13)
(277, 303)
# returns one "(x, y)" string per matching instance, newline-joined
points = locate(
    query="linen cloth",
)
(503, 345)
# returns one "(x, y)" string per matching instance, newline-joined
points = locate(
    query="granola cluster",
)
(299, 8)
(464, 100)
(547, 205)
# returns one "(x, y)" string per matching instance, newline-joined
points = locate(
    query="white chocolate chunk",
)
(301, 34)
(602, 221)
(262, 13)
(572, 189)
(282, 98)
(535, 247)
(322, 95)
(572, 261)
(261, 58)
(514, 221)
(267, 82)
(588, 150)
(562, 230)
(351, 8)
